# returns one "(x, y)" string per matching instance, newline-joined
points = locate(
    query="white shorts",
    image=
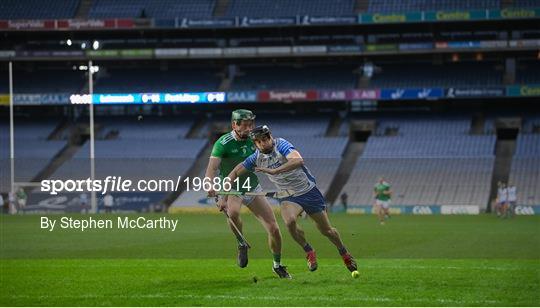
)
(21, 202)
(383, 204)
(246, 200)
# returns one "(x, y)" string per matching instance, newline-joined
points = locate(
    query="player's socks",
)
(311, 260)
(349, 261)
(277, 259)
(308, 248)
(342, 251)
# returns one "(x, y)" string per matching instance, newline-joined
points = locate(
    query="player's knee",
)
(329, 232)
(273, 230)
(235, 216)
(290, 223)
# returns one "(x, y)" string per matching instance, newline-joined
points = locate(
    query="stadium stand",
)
(393, 6)
(149, 128)
(451, 75)
(527, 72)
(525, 3)
(37, 9)
(525, 170)
(417, 125)
(65, 81)
(427, 165)
(263, 77)
(428, 146)
(282, 77)
(152, 9)
(32, 150)
(530, 123)
(266, 8)
(153, 151)
(152, 80)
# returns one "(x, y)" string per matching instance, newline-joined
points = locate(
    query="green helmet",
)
(242, 114)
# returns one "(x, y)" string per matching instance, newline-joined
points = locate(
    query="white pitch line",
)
(371, 266)
(268, 298)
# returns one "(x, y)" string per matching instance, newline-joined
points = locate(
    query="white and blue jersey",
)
(298, 180)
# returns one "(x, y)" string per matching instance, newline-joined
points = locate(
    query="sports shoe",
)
(242, 256)
(349, 261)
(281, 271)
(311, 260)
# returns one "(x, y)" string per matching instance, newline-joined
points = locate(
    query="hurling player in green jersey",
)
(229, 150)
(382, 194)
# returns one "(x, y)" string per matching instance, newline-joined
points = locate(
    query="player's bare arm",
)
(211, 170)
(236, 172)
(294, 160)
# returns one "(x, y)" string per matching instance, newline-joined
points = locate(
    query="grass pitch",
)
(413, 260)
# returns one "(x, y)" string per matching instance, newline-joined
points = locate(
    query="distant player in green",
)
(383, 195)
(228, 151)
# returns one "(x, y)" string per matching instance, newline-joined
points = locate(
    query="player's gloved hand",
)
(222, 204)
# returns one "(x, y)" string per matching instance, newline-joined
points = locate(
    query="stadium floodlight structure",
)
(11, 131)
(13, 184)
(93, 202)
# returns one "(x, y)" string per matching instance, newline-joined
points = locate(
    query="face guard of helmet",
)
(243, 121)
(262, 137)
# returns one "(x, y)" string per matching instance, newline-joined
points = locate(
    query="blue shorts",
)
(312, 202)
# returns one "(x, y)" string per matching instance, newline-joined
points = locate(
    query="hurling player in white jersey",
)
(284, 166)
(501, 199)
(502, 196)
(512, 199)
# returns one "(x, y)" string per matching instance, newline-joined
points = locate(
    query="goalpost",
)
(13, 184)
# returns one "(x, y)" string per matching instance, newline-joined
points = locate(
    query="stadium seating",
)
(530, 123)
(282, 77)
(37, 9)
(146, 128)
(265, 77)
(423, 181)
(429, 146)
(32, 151)
(418, 125)
(152, 9)
(152, 150)
(525, 3)
(448, 75)
(525, 170)
(268, 8)
(527, 72)
(393, 6)
(427, 164)
(44, 81)
(290, 125)
(151, 80)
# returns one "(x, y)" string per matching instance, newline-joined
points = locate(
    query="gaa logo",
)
(422, 210)
(524, 210)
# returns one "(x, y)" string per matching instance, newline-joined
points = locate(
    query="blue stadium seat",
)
(393, 6)
(37, 9)
(152, 9)
(283, 8)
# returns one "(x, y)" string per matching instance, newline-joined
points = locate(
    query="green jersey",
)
(380, 188)
(233, 151)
